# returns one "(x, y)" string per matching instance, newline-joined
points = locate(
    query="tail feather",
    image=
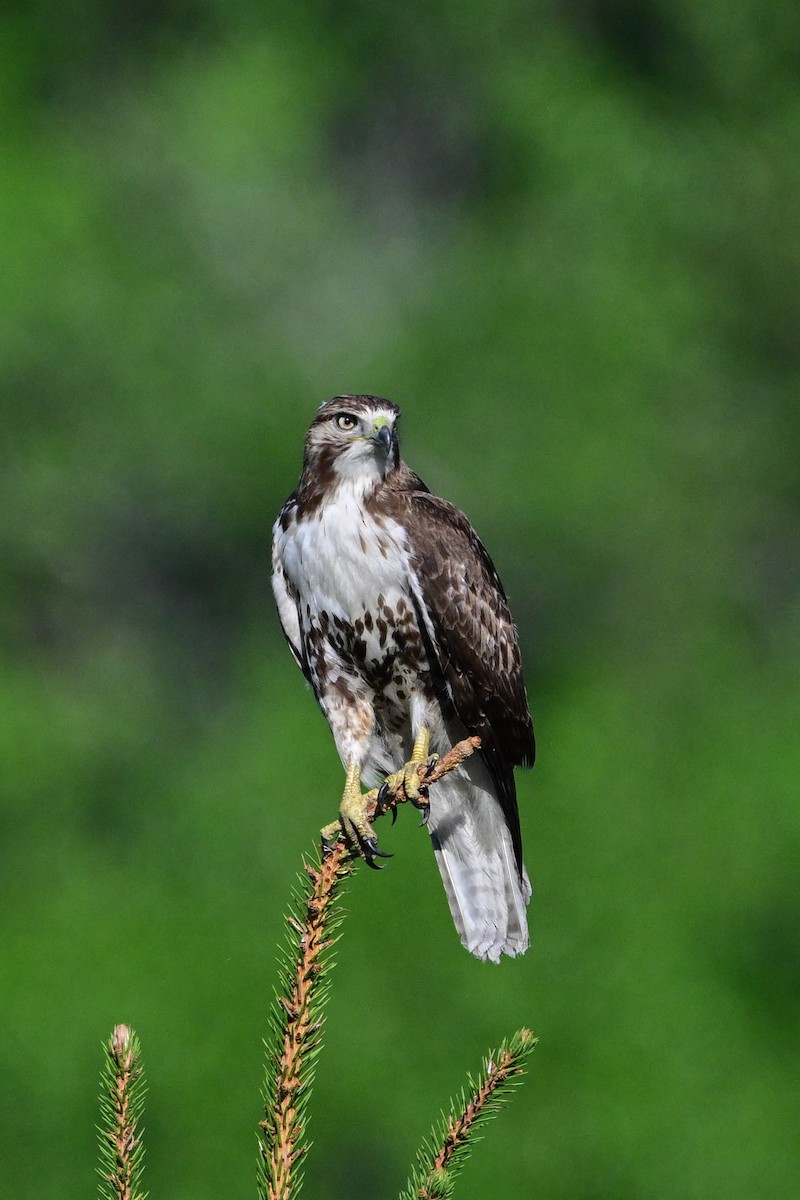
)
(486, 892)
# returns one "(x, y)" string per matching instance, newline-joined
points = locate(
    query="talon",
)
(428, 766)
(371, 844)
(354, 819)
(387, 792)
(385, 802)
(422, 804)
(370, 849)
(367, 857)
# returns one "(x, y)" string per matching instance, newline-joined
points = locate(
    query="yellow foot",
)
(406, 782)
(354, 821)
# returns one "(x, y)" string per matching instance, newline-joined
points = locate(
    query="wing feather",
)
(470, 635)
(285, 597)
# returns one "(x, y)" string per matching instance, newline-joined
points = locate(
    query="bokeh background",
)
(563, 236)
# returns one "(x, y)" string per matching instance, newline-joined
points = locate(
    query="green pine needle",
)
(443, 1154)
(121, 1106)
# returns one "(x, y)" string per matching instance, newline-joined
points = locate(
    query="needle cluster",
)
(121, 1105)
(443, 1154)
(296, 1021)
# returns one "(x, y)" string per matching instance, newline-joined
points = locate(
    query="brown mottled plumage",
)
(396, 615)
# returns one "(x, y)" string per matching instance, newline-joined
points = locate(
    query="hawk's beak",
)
(383, 435)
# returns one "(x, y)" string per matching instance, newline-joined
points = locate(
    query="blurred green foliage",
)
(564, 238)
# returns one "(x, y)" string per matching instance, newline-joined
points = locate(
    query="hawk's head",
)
(353, 437)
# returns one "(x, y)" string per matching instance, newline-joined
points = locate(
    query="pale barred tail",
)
(473, 849)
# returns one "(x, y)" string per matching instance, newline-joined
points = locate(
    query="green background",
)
(564, 238)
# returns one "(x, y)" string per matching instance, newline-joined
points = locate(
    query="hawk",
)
(396, 616)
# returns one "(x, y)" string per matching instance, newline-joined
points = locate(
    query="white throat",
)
(359, 469)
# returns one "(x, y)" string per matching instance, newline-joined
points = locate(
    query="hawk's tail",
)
(485, 891)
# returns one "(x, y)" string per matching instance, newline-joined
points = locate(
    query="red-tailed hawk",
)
(396, 616)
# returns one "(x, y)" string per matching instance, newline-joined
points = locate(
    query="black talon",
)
(431, 762)
(366, 850)
(369, 849)
(385, 802)
(422, 804)
(381, 804)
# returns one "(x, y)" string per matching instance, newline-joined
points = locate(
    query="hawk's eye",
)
(345, 421)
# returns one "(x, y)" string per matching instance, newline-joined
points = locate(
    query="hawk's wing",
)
(471, 637)
(285, 598)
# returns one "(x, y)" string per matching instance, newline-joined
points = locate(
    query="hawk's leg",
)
(353, 819)
(407, 777)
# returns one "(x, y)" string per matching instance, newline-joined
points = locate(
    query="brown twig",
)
(297, 1017)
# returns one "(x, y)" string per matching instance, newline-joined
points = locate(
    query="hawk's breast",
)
(351, 575)
(341, 558)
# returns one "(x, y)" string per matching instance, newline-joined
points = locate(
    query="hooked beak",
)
(383, 436)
